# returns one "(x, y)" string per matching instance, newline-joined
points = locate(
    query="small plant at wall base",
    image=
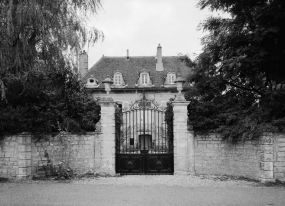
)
(59, 157)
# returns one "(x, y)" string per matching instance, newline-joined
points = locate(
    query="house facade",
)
(133, 75)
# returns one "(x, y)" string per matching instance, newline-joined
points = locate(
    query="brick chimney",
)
(159, 65)
(83, 63)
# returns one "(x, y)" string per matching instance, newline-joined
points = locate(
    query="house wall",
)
(128, 98)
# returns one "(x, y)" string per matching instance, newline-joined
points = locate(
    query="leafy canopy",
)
(239, 81)
(40, 40)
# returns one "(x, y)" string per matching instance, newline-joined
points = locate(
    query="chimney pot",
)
(128, 57)
(159, 64)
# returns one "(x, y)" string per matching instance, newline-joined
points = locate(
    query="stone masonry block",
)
(3, 171)
(279, 164)
(279, 175)
(25, 155)
(268, 166)
(28, 140)
(266, 140)
(280, 138)
(9, 154)
(281, 149)
(23, 171)
(267, 149)
(281, 154)
(21, 140)
(279, 169)
(266, 174)
(24, 163)
(264, 157)
(280, 159)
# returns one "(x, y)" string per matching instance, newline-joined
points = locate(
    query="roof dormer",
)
(92, 82)
(118, 80)
(170, 80)
(144, 79)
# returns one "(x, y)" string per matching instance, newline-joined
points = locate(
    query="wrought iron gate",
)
(144, 144)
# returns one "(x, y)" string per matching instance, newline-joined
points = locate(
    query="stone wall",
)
(77, 151)
(213, 156)
(22, 155)
(262, 159)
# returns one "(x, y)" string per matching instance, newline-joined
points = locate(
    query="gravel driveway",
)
(142, 190)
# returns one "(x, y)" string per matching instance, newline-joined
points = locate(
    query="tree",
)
(34, 32)
(239, 82)
(40, 91)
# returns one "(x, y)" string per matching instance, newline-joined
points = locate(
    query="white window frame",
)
(144, 78)
(171, 78)
(118, 79)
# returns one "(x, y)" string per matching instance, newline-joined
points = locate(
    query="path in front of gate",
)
(142, 190)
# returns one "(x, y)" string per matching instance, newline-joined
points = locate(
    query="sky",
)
(140, 25)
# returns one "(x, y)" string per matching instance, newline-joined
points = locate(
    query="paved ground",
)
(142, 190)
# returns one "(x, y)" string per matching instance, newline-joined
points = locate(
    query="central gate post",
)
(180, 137)
(182, 153)
(107, 138)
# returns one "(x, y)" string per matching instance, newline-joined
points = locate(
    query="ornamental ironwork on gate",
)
(144, 144)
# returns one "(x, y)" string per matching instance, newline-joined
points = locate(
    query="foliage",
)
(239, 80)
(38, 87)
(34, 31)
(118, 124)
(47, 100)
(169, 115)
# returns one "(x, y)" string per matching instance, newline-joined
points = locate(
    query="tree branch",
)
(245, 88)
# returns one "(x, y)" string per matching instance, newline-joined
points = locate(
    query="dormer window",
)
(144, 79)
(118, 80)
(92, 82)
(171, 78)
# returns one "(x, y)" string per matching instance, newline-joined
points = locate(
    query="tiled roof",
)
(131, 69)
